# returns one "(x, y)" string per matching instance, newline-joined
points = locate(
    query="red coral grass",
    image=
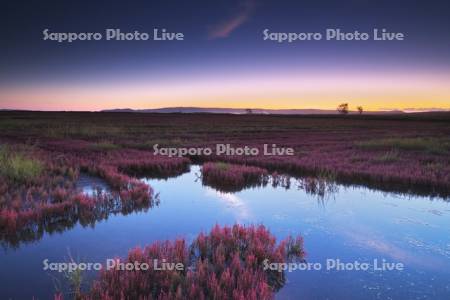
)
(231, 177)
(54, 201)
(227, 263)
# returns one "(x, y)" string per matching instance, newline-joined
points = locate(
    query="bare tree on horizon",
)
(360, 109)
(343, 108)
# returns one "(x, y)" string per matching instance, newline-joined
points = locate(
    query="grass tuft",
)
(222, 166)
(18, 168)
(431, 145)
(390, 156)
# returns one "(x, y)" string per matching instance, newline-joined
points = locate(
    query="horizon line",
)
(405, 110)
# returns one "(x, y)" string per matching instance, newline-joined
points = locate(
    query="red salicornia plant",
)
(227, 263)
(231, 177)
(39, 191)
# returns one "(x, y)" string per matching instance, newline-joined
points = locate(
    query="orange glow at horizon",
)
(283, 91)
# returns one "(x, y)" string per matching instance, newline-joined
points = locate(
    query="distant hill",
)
(188, 110)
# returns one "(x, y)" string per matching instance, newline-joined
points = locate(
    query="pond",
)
(347, 224)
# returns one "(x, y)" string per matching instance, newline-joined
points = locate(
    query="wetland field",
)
(359, 210)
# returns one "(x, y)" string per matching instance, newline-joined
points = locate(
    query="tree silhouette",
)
(360, 109)
(343, 108)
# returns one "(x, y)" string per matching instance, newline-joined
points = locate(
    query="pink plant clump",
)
(413, 172)
(227, 263)
(155, 167)
(416, 160)
(394, 153)
(52, 201)
(231, 177)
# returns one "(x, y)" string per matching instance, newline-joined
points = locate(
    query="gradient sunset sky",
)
(224, 61)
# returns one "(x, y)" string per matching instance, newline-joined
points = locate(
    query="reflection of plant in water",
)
(354, 148)
(86, 210)
(280, 180)
(227, 263)
(232, 178)
(318, 186)
(39, 193)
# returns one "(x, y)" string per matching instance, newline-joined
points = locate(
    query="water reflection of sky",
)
(352, 224)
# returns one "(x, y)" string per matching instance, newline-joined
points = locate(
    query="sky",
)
(224, 60)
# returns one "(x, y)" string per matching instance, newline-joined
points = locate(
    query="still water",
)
(347, 224)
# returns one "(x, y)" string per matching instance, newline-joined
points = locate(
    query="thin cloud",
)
(225, 28)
